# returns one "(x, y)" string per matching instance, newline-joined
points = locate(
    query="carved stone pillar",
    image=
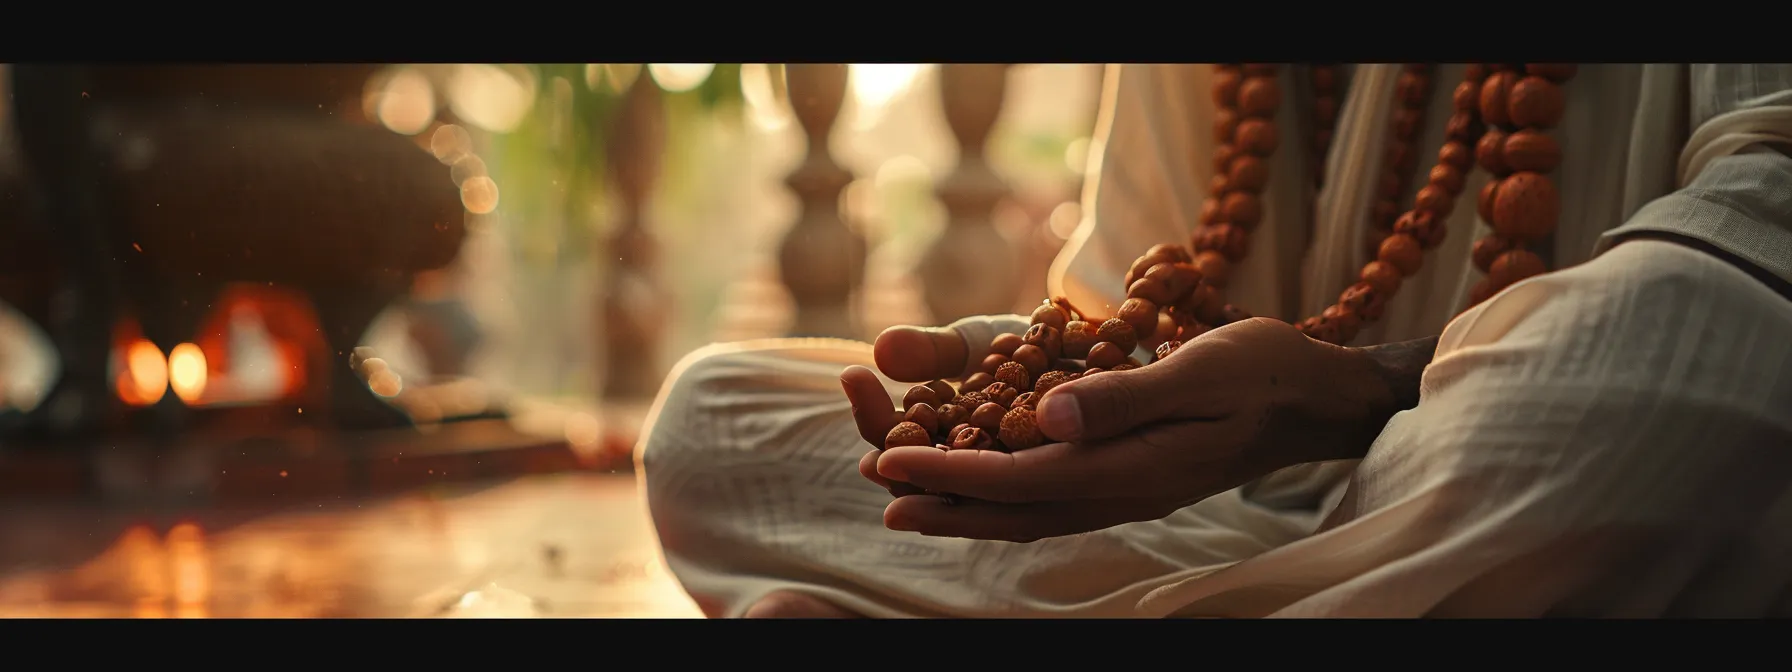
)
(821, 260)
(971, 269)
(634, 304)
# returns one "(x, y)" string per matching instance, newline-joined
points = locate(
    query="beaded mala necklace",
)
(1499, 114)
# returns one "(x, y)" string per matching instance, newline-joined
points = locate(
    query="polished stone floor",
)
(539, 547)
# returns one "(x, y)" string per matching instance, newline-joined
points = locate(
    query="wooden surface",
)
(571, 545)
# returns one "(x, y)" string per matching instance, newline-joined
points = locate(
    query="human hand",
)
(916, 355)
(1233, 405)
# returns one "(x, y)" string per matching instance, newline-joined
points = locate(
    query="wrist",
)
(1353, 393)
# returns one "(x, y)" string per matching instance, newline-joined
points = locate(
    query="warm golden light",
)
(583, 430)
(407, 103)
(676, 77)
(759, 85)
(875, 85)
(191, 570)
(492, 97)
(479, 195)
(145, 376)
(186, 372)
(450, 143)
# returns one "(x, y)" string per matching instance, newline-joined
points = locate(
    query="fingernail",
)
(1059, 416)
(891, 470)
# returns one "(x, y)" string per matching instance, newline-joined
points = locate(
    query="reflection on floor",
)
(557, 546)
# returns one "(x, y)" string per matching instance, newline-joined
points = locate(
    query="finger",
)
(1159, 461)
(918, 355)
(1020, 523)
(868, 469)
(872, 409)
(1098, 407)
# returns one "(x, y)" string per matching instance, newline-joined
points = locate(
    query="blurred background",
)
(377, 340)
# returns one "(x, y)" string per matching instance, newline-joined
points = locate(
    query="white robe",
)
(1633, 406)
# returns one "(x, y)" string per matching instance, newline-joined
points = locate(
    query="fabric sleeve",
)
(1736, 176)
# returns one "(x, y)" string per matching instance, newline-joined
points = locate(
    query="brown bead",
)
(907, 434)
(1467, 97)
(1486, 250)
(1383, 213)
(1225, 125)
(1242, 209)
(1259, 97)
(1214, 268)
(1020, 430)
(1050, 314)
(1260, 69)
(1222, 158)
(919, 394)
(1004, 344)
(1535, 102)
(1120, 333)
(1182, 279)
(1435, 201)
(1346, 320)
(943, 392)
(1416, 68)
(1390, 186)
(1210, 212)
(1016, 374)
(1495, 92)
(1204, 304)
(1532, 151)
(1035, 359)
(1423, 226)
(1401, 156)
(988, 417)
(1149, 290)
(1406, 123)
(1526, 207)
(1217, 186)
(1140, 314)
(1106, 355)
(1555, 72)
(1475, 72)
(1231, 241)
(1046, 338)
(1484, 202)
(1162, 252)
(1413, 89)
(1325, 111)
(1403, 252)
(975, 381)
(1382, 276)
(1052, 379)
(992, 362)
(925, 416)
(1248, 173)
(1325, 78)
(1458, 155)
(952, 415)
(1078, 341)
(1226, 84)
(1482, 291)
(1514, 266)
(1356, 296)
(1257, 136)
(1464, 127)
(1447, 178)
(1165, 349)
(1489, 152)
(973, 438)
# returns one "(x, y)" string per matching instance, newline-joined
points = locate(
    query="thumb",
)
(1109, 404)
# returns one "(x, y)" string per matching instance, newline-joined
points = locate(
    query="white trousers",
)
(1614, 439)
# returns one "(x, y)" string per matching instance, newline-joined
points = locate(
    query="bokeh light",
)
(479, 194)
(467, 168)
(450, 143)
(760, 86)
(676, 77)
(620, 75)
(407, 102)
(492, 97)
(873, 86)
(186, 372)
